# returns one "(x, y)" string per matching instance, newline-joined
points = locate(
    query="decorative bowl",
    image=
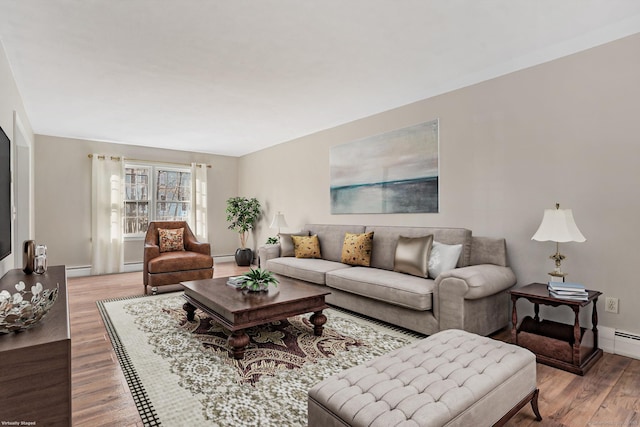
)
(19, 312)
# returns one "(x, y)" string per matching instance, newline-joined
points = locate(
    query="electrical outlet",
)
(611, 305)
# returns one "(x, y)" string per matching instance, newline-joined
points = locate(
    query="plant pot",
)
(264, 287)
(244, 256)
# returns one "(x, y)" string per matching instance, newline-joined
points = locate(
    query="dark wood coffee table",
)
(237, 310)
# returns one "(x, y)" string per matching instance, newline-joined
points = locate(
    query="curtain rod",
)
(117, 158)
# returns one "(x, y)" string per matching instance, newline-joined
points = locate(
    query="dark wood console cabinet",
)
(569, 347)
(35, 365)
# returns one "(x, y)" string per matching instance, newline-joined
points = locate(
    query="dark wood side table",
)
(569, 347)
(35, 365)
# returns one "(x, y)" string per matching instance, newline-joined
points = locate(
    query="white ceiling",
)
(233, 77)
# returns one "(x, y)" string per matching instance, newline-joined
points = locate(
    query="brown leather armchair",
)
(168, 268)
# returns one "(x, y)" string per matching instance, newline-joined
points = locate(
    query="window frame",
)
(152, 193)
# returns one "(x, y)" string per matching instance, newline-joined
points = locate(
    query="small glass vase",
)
(40, 261)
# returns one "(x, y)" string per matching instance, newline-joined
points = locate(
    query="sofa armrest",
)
(473, 298)
(476, 281)
(267, 252)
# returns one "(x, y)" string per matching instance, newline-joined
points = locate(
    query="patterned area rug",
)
(180, 373)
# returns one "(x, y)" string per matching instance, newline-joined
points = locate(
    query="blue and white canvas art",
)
(394, 172)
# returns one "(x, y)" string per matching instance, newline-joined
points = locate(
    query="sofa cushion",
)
(171, 239)
(443, 258)
(356, 249)
(331, 238)
(179, 261)
(286, 243)
(308, 269)
(412, 255)
(489, 250)
(306, 246)
(388, 286)
(385, 239)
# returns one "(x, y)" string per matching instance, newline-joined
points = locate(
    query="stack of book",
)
(236, 281)
(568, 290)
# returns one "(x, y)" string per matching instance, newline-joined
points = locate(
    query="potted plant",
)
(258, 280)
(243, 213)
(272, 241)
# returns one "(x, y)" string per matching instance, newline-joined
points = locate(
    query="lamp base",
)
(557, 276)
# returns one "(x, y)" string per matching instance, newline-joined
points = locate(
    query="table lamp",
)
(558, 226)
(278, 221)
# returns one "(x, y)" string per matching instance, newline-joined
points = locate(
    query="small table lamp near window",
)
(558, 226)
(278, 221)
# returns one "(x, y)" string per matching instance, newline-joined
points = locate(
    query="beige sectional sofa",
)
(471, 296)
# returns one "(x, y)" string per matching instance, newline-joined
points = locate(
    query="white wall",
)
(11, 104)
(63, 196)
(565, 131)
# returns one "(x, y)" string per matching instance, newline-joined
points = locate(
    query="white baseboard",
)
(79, 271)
(131, 267)
(225, 258)
(85, 270)
(606, 337)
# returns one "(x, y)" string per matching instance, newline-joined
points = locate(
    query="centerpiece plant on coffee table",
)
(243, 213)
(258, 280)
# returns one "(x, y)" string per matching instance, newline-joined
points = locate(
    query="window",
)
(155, 192)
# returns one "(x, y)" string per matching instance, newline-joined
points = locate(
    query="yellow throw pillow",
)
(306, 246)
(412, 255)
(356, 249)
(286, 244)
(171, 239)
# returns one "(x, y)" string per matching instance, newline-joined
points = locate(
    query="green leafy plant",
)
(258, 280)
(272, 240)
(242, 213)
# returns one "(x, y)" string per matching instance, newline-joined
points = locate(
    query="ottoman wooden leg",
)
(531, 397)
(534, 405)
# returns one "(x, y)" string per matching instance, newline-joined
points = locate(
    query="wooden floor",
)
(100, 395)
(608, 395)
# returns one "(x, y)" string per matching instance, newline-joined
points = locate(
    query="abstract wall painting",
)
(394, 172)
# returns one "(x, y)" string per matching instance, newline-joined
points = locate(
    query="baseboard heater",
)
(627, 344)
(628, 335)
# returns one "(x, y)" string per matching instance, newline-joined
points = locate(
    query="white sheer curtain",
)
(106, 214)
(198, 218)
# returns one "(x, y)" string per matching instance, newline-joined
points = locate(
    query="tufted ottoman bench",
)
(452, 378)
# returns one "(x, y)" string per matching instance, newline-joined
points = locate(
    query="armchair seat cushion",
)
(169, 262)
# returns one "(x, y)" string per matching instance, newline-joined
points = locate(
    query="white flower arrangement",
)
(19, 312)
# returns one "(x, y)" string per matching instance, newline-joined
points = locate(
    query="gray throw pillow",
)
(443, 258)
(412, 255)
(286, 244)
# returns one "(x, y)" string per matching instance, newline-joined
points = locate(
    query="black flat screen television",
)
(5, 195)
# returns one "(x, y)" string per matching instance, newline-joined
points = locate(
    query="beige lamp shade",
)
(558, 225)
(278, 221)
